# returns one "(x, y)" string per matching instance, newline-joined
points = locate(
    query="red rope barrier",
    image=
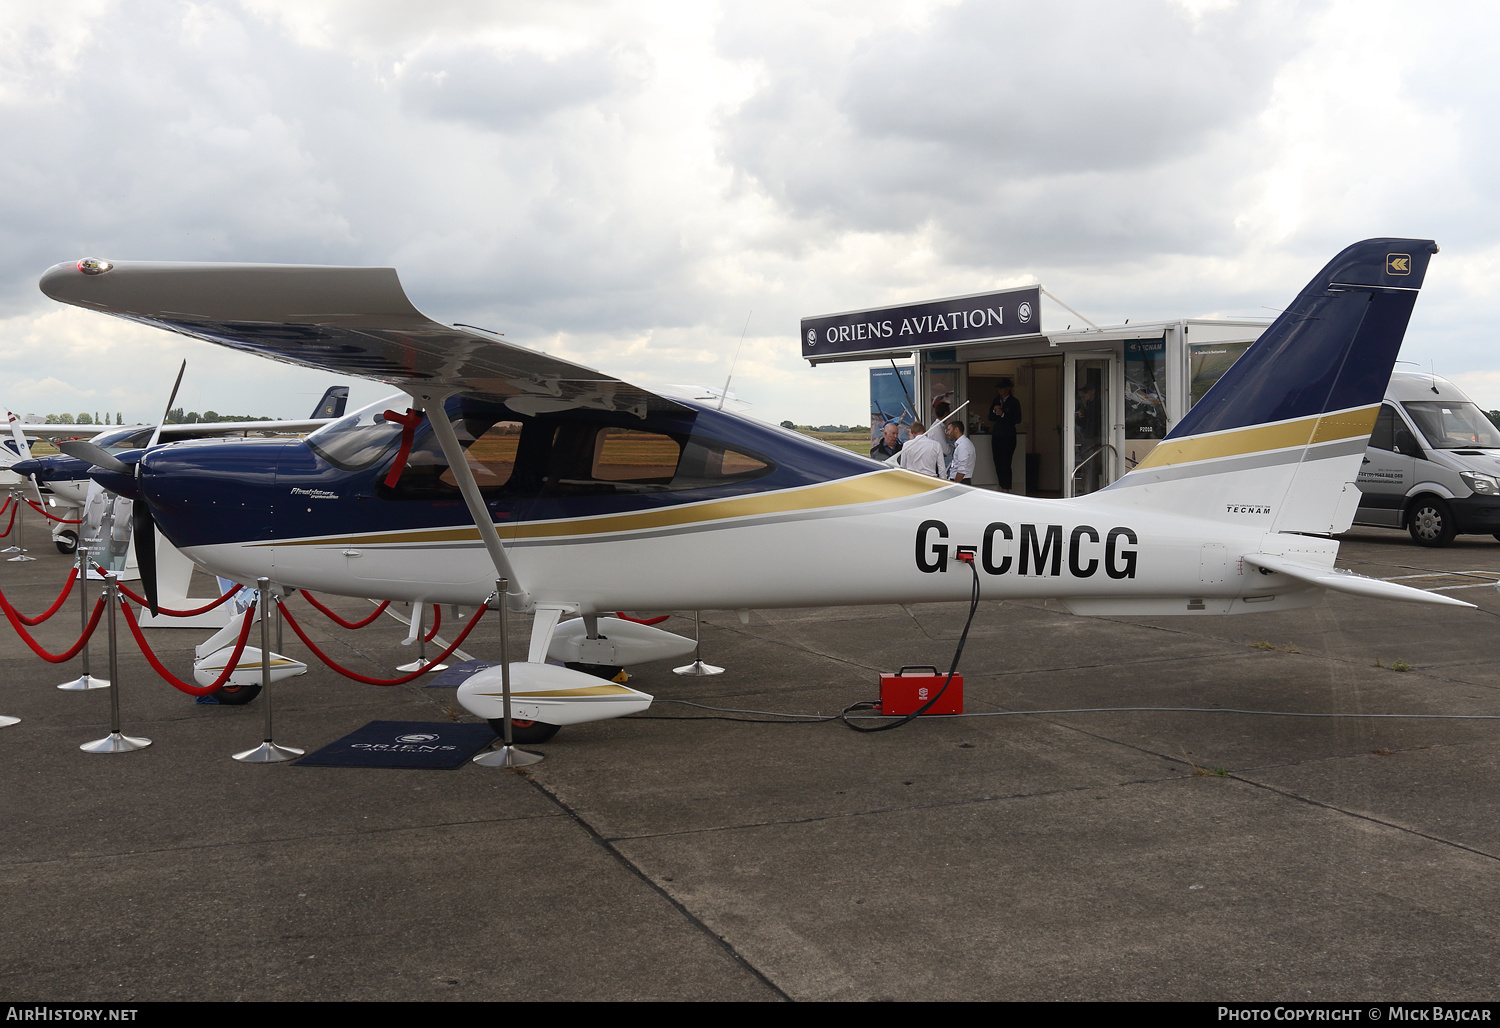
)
(53, 517)
(173, 680)
(6, 505)
(340, 621)
(11, 524)
(141, 600)
(56, 605)
(437, 619)
(382, 681)
(52, 658)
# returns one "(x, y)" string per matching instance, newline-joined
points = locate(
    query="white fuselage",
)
(1097, 556)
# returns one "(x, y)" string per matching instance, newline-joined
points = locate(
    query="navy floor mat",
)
(457, 674)
(424, 744)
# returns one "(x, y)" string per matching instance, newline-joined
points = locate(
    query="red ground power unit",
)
(912, 686)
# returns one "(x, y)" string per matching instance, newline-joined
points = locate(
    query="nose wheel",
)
(523, 732)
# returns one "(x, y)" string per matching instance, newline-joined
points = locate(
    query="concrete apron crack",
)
(629, 865)
(1240, 777)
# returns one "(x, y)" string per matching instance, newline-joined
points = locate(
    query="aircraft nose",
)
(29, 466)
(116, 482)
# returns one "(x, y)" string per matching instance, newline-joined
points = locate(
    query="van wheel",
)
(527, 732)
(1430, 523)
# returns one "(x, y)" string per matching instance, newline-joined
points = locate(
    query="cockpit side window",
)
(490, 449)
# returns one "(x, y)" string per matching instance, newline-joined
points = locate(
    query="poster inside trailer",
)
(1145, 400)
(891, 400)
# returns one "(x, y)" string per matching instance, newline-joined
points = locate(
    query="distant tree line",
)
(83, 419)
(177, 416)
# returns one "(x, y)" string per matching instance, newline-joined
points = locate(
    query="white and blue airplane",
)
(591, 495)
(62, 480)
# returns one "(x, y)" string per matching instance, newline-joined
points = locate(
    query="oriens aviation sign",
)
(957, 319)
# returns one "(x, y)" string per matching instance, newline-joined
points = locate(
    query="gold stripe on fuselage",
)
(575, 693)
(1345, 424)
(894, 484)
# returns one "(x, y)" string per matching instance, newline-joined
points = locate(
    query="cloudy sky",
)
(625, 184)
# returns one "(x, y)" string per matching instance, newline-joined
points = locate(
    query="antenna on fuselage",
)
(723, 396)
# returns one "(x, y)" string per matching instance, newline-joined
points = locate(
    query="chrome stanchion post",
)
(697, 667)
(19, 549)
(114, 742)
(13, 548)
(507, 755)
(86, 680)
(267, 752)
(419, 622)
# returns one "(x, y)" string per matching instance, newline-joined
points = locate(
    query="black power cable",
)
(967, 558)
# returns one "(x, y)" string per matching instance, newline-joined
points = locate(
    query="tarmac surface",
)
(1039, 856)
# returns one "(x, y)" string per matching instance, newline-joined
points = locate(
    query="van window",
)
(1453, 426)
(1384, 436)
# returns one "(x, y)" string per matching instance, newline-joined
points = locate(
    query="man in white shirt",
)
(921, 453)
(962, 467)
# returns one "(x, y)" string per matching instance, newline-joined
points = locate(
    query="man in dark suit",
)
(1005, 415)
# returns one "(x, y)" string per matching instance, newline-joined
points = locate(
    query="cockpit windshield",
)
(360, 439)
(118, 440)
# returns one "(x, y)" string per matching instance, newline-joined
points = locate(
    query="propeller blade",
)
(95, 455)
(144, 527)
(157, 434)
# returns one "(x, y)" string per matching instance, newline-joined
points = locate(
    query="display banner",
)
(958, 319)
(891, 400)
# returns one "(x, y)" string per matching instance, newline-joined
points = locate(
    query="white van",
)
(1433, 465)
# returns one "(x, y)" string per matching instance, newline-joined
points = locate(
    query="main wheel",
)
(523, 731)
(236, 695)
(608, 672)
(1430, 522)
(67, 542)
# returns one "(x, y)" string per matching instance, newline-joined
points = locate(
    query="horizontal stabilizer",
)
(1348, 582)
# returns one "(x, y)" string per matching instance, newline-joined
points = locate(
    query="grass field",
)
(855, 442)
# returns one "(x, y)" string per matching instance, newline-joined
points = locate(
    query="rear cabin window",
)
(628, 455)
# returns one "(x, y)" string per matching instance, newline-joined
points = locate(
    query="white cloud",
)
(625, 182)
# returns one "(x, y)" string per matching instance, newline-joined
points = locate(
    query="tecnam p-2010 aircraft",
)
(592, 495)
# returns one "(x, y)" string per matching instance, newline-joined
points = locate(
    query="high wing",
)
(353, 321)
(65, 431)
(200, 430)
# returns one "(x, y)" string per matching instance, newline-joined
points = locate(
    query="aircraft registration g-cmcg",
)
(592, 495)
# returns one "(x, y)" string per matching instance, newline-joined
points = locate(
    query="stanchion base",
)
(83, 682)
(6, 721)
(269, 753)
(507, 756)
(114, 742)
(12, 549)
(417, 665)
(697, 667)
(21, 557)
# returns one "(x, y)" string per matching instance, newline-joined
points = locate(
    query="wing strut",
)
(464, 476)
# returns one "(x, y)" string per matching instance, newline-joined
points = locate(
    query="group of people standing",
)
(926, 453)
